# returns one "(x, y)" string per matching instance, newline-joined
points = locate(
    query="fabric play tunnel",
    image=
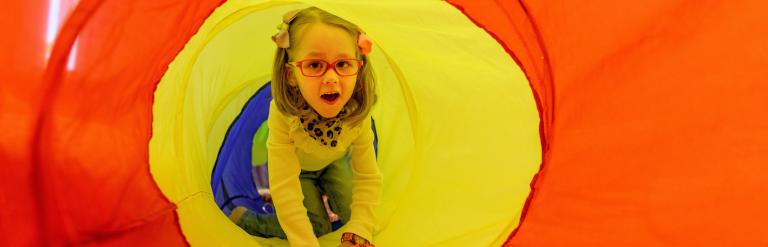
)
(499, 123)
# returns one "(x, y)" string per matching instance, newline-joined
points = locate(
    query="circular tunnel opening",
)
(431, 141)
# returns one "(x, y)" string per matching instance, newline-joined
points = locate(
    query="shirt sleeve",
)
(366, 183)
(284, 170)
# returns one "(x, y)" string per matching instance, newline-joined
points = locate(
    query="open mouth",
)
(330, 97)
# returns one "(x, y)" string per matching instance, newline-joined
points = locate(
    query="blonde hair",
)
(288, 98)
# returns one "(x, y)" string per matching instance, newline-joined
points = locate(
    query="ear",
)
(289, 76)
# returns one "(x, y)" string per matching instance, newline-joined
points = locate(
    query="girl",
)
(323, 90)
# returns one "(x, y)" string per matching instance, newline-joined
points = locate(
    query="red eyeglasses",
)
(318, 67)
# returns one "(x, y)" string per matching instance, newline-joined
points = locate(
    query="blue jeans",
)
(334, 181)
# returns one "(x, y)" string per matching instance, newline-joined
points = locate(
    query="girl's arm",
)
(284, 169)
(366, 183)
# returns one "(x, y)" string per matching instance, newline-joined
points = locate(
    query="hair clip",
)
(282, 38)
(364, 43)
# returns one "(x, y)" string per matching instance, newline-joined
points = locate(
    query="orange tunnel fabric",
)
(23, 63)
(654, 113)
(84, 179)
(654, 125)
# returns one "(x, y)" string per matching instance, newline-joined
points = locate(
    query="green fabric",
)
(259, 149)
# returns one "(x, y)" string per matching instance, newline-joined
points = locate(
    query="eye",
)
(314, 64)
(343, 64)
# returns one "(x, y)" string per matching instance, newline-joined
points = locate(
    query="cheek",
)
(306, 88)
(310, 89)
(349, 84)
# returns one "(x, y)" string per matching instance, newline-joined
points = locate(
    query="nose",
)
(330, 76)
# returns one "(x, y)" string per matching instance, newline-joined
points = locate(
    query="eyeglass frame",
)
(327, 66)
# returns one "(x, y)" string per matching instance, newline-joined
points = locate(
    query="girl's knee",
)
(321, 224)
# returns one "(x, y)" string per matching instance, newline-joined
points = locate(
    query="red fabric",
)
(76, 154)
(658, 131)
(22, 55)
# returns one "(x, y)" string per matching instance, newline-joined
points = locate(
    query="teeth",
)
(330, 96)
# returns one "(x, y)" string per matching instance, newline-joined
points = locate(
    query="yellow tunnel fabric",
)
(456, 121)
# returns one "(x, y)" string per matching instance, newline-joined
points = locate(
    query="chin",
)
(330, 113)
(326, 115)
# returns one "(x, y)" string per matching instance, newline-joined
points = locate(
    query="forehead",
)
(319, 40)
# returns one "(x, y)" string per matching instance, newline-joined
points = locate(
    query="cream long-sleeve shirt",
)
(290, 149)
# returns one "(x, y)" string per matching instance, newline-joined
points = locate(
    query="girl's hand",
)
(347, 244)
(264, 193)
(349, 239)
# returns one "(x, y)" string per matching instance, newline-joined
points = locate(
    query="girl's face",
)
(320, 46)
